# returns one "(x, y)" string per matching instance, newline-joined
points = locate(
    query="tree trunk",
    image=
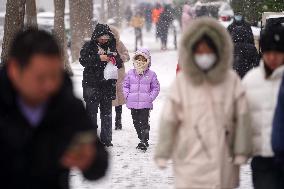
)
(110, 9)
(76, 30)
(87, 18)
(114, 11)
(81, 15)
(59, 32)
(118, 11)
(14, 22)
(31, 13)
(102, 13)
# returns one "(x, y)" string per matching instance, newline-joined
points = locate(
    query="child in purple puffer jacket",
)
(140, 88)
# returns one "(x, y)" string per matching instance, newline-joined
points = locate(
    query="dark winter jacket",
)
(246, 56)
(278, 126)
(30, 156)
(165, 21)
(93, 75)
(246, 26)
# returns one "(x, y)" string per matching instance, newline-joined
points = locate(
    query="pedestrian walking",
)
(246, 56)
(119, 100)
(262, 87)
(137, 22)
(204, 125)
(156, 13)
(141, 87)
(148, 17)
(187, 16)
(44, 129)
(97, 91)
(128, 14)
(240, 22)
(164, 24)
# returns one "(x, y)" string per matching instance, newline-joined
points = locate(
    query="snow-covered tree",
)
(59, 31)
(14, 22)
(81, 15)
(31, 13)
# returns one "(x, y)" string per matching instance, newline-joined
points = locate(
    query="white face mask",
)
(140, 66)
(205, 61)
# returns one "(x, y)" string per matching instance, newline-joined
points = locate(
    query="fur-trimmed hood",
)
(143, 52)
(223, 42)
(115, 32)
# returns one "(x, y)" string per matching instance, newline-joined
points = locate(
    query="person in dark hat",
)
(44, 128)
(262, 86)
(97, 91)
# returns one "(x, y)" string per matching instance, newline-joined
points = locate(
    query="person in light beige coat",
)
(119, 101)
(204, 126)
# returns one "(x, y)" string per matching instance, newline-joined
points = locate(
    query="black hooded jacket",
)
(165, 21)
(30, 156)
(236, 25)
(246, 56)
(93, 75)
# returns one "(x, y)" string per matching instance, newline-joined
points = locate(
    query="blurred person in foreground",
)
(44, 128)
(262, 86)
(204, 125)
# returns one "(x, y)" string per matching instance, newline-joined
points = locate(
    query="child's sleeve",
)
(126, 86)
(169, 124)
(155, 88)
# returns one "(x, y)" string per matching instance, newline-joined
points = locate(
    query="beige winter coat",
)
(204, 126)
(124, 55)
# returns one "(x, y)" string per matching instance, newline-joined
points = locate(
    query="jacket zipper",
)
(138, 91)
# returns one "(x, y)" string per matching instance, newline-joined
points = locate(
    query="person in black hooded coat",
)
(163, 25)
(239, 22)
(246, 56)
(97, 91)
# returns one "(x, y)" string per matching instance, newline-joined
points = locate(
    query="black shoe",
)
(108, 144)
(142, 146)
(147, 144)
(118, 125)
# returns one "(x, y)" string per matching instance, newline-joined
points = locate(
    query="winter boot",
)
(118, 125)
(147, 144)
(108, 144)
(142, 146)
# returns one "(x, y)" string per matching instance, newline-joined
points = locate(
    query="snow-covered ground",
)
(131, 168)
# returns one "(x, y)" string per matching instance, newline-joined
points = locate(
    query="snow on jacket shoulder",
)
(262, 96)
(140, 91)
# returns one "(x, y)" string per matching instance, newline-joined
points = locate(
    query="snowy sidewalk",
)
(131, 168)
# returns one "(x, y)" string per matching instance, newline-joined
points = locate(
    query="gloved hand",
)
(112, 60)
